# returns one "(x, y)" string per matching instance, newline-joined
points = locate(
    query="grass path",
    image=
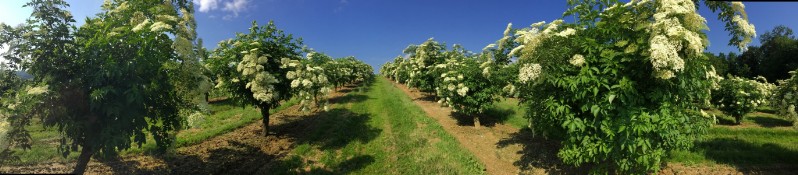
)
(482, 142)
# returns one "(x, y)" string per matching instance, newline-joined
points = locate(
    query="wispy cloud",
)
(341, 5)
(231, 6)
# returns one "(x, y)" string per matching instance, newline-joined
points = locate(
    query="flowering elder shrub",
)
(362, 72)
(129, 52)
(423, 57)
(334, 71)
(387, 69)
(618, 87)
(785, 97)
(251, 67)
(396, 70)
(739, 96)
(308, 82)
(465, 89)
(497, 66)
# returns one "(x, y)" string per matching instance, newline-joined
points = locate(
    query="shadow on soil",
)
(538, 153)
(327, 131)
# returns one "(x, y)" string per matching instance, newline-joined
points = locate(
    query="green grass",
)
(762, 139)
(44, 144)
(378, 131)
(508, 111)
(225, 117)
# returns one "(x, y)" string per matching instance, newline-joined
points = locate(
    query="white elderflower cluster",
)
(577, 60)
(507, 30)
(485, 66)
(160, 27)
(141, 25)
(510, 90)
(567, 32)
(260, 82)
(489, 46)
(529, 72)
(310, 81)
(37, 90)
(675, 28)
(530, 38)
(262, 87)
(713, 77)
(462, 89)
(746, 28)
(452, 83)
(665, 57)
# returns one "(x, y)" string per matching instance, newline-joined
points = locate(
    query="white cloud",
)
(232, 6)
(207, 5)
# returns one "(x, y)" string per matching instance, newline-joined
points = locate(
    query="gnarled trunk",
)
(476, 122)
(738, 119)
(264, 111)
(83, 160)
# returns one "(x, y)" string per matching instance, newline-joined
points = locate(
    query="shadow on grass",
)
(349, 98)
(726, 121)
(769, 121)
(329, 131)
(750, 158)
(763, 120)
(539, 153)
(294, 165)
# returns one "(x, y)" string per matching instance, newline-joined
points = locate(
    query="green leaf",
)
(595, 110)
(612, 97)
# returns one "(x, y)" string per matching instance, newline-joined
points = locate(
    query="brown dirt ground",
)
(242, 151)
(504, 149)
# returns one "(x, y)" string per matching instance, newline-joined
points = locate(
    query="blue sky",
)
(377, 30)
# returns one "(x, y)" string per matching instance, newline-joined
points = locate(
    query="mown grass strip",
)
(378, 131)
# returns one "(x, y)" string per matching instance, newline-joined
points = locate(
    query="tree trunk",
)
(739, 119)
(83, 160)
(207, 95)
(476, 122)
(264, 111)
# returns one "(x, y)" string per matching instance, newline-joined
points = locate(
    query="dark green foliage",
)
(105, 82)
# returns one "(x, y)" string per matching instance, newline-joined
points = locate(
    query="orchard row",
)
(137, 68)
(620, 87)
